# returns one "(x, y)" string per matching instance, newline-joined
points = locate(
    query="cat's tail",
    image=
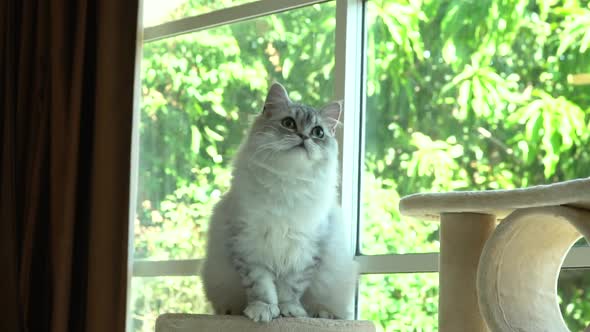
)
(332, 292)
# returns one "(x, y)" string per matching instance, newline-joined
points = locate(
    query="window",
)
(465, 95)
(159, 12)
(440, 95)
(199, 92)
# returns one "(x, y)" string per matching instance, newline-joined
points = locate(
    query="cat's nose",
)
(303, 136)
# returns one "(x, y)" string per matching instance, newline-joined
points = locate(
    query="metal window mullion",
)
(134, 168)
(169, 268)
(395, 263)
(348, 87)
(224, 16)
(348, 83)
(577, 258)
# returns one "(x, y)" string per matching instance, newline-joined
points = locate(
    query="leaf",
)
(287, 66)
(449, 53)
(211, 151)
(534, 129)
(575, 32)
(195, 140)
(219, 110)
(213, 135)
(463, 98)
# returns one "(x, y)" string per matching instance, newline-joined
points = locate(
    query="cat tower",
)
(500, 257)
(501, 252)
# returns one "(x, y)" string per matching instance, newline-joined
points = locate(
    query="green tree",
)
(470, 95)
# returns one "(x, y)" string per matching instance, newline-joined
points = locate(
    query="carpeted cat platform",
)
(500, 203)
(211, 323)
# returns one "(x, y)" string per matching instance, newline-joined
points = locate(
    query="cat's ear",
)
(332, 113)
(277, 96)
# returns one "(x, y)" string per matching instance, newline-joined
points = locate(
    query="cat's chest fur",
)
(281, 221)
(271, 199)
(283, 249)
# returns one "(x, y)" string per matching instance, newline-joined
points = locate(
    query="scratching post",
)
(462, 238)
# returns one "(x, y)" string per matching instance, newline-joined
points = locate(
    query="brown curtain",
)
(66, 106)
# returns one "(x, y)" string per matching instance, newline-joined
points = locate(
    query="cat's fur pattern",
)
(277, 243)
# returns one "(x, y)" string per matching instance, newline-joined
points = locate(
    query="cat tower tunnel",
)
(500, 256)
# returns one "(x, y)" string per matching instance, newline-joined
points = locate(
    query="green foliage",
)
(400, 302)
(574, 298)
(154, 296)
(199, 91)
(460, 95)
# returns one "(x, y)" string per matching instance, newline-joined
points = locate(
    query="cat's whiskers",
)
(271, 128)
(281, 174)
(314, 148)
(271, 146)
(284, 143)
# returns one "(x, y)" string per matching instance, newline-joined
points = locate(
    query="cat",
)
(277, 244)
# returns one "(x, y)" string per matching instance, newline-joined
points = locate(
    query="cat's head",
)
(289, 134)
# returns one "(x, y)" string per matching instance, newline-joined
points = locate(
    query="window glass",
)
(153, 296)
(159, 11)
(409, 302)
(574, 297)
(400, 302)
(199, 92)
(469, 95)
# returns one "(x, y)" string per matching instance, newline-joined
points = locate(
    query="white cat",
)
(277, 244)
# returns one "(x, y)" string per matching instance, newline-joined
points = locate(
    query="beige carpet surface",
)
(211, 323)
(429, 206)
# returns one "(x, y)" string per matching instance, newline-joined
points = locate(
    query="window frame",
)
(350, 87)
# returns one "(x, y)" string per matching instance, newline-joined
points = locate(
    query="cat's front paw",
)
(322, 313)
(261, 312)
(292, 309)
(326, 314)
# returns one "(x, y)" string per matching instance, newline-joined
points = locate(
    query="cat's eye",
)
(317, 132)
(289, 123)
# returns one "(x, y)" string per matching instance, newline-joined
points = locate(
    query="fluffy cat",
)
(277, 244)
